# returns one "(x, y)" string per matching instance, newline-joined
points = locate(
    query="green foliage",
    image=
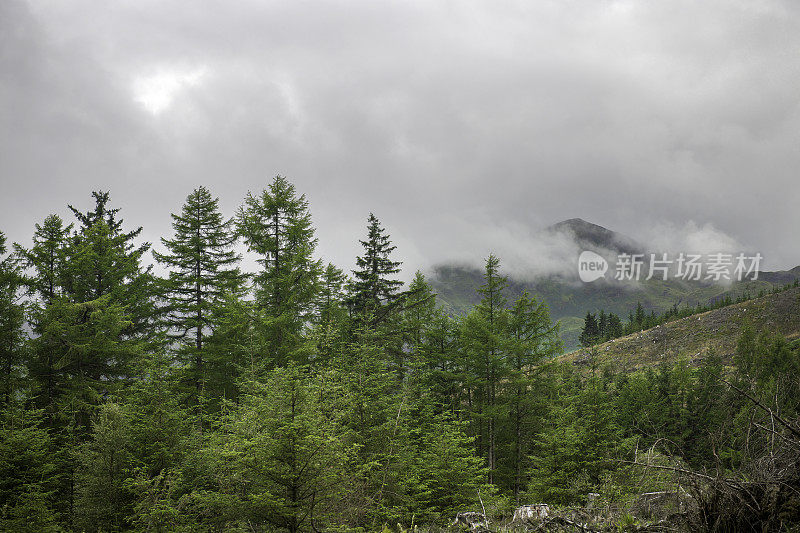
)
(580, 441)
(276, 459)
(88, 355)
(373, 285)
(276, 225)
(12, 319)
(448, 474)
(319, 402)
(103, 260)
(46, 258)
(591, 331)
(27, 472)
(332, 315)
(104, 502)
(504, 352)
(202, 271)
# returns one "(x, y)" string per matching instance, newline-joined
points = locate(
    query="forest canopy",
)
(299, 397)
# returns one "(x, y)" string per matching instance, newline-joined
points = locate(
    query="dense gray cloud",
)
(464, 126)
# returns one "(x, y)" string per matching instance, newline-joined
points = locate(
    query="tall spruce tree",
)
(202, 270)
(93, 313)
(104, 260)
(375, 300)
(276, 225)
(373, 287)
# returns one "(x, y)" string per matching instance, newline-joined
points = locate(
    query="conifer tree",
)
(484, 335)
(104, 260)
(532, 340)
(615, 327)
(332, 313)
(96, 310)
(285, 465)
(103, 498)
(444, 365)
(28, 472)
(46, 267)
(46, 258)
(91, 321)
(375, 301)
(640, 316)
(579, 441)
(373, 287)
(12, 318)
(332, 296)
(591, 331)
(276, 225)
(417, 314)
(202, 270)
(234, 349)
(602, 326)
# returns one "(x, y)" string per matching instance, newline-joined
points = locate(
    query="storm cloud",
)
(464, 126)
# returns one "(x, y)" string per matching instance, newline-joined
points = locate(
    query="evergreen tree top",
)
(373, 284)
(493, 286)
(101, 212)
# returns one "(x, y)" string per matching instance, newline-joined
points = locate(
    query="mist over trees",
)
(299, 397)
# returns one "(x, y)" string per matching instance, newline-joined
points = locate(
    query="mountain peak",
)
(593, 236)
(576, 225)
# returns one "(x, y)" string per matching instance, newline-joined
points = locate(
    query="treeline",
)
(295, 397)
(301, 398)
(602, 327)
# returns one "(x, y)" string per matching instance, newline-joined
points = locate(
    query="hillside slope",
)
(693, 336)
(569, 300)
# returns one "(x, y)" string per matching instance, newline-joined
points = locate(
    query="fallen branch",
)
(774, 415)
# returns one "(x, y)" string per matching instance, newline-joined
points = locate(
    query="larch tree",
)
(45, 259)
(332, 313)
(276, 225)
(532, 341)
(12, 318)
(484, 333)
(418, 314)
(202, 271)
(45, 269)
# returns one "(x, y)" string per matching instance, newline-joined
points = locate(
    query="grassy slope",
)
(569, 301)
(693, 336)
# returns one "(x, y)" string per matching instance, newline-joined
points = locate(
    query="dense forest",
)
(302, 398)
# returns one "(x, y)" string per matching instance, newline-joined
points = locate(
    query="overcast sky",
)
(464, 126)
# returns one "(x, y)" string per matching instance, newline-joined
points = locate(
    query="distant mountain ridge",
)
(591, 236)
(569, 300)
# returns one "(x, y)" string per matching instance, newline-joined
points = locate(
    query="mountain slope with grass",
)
(692, 337)
(569, 299)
